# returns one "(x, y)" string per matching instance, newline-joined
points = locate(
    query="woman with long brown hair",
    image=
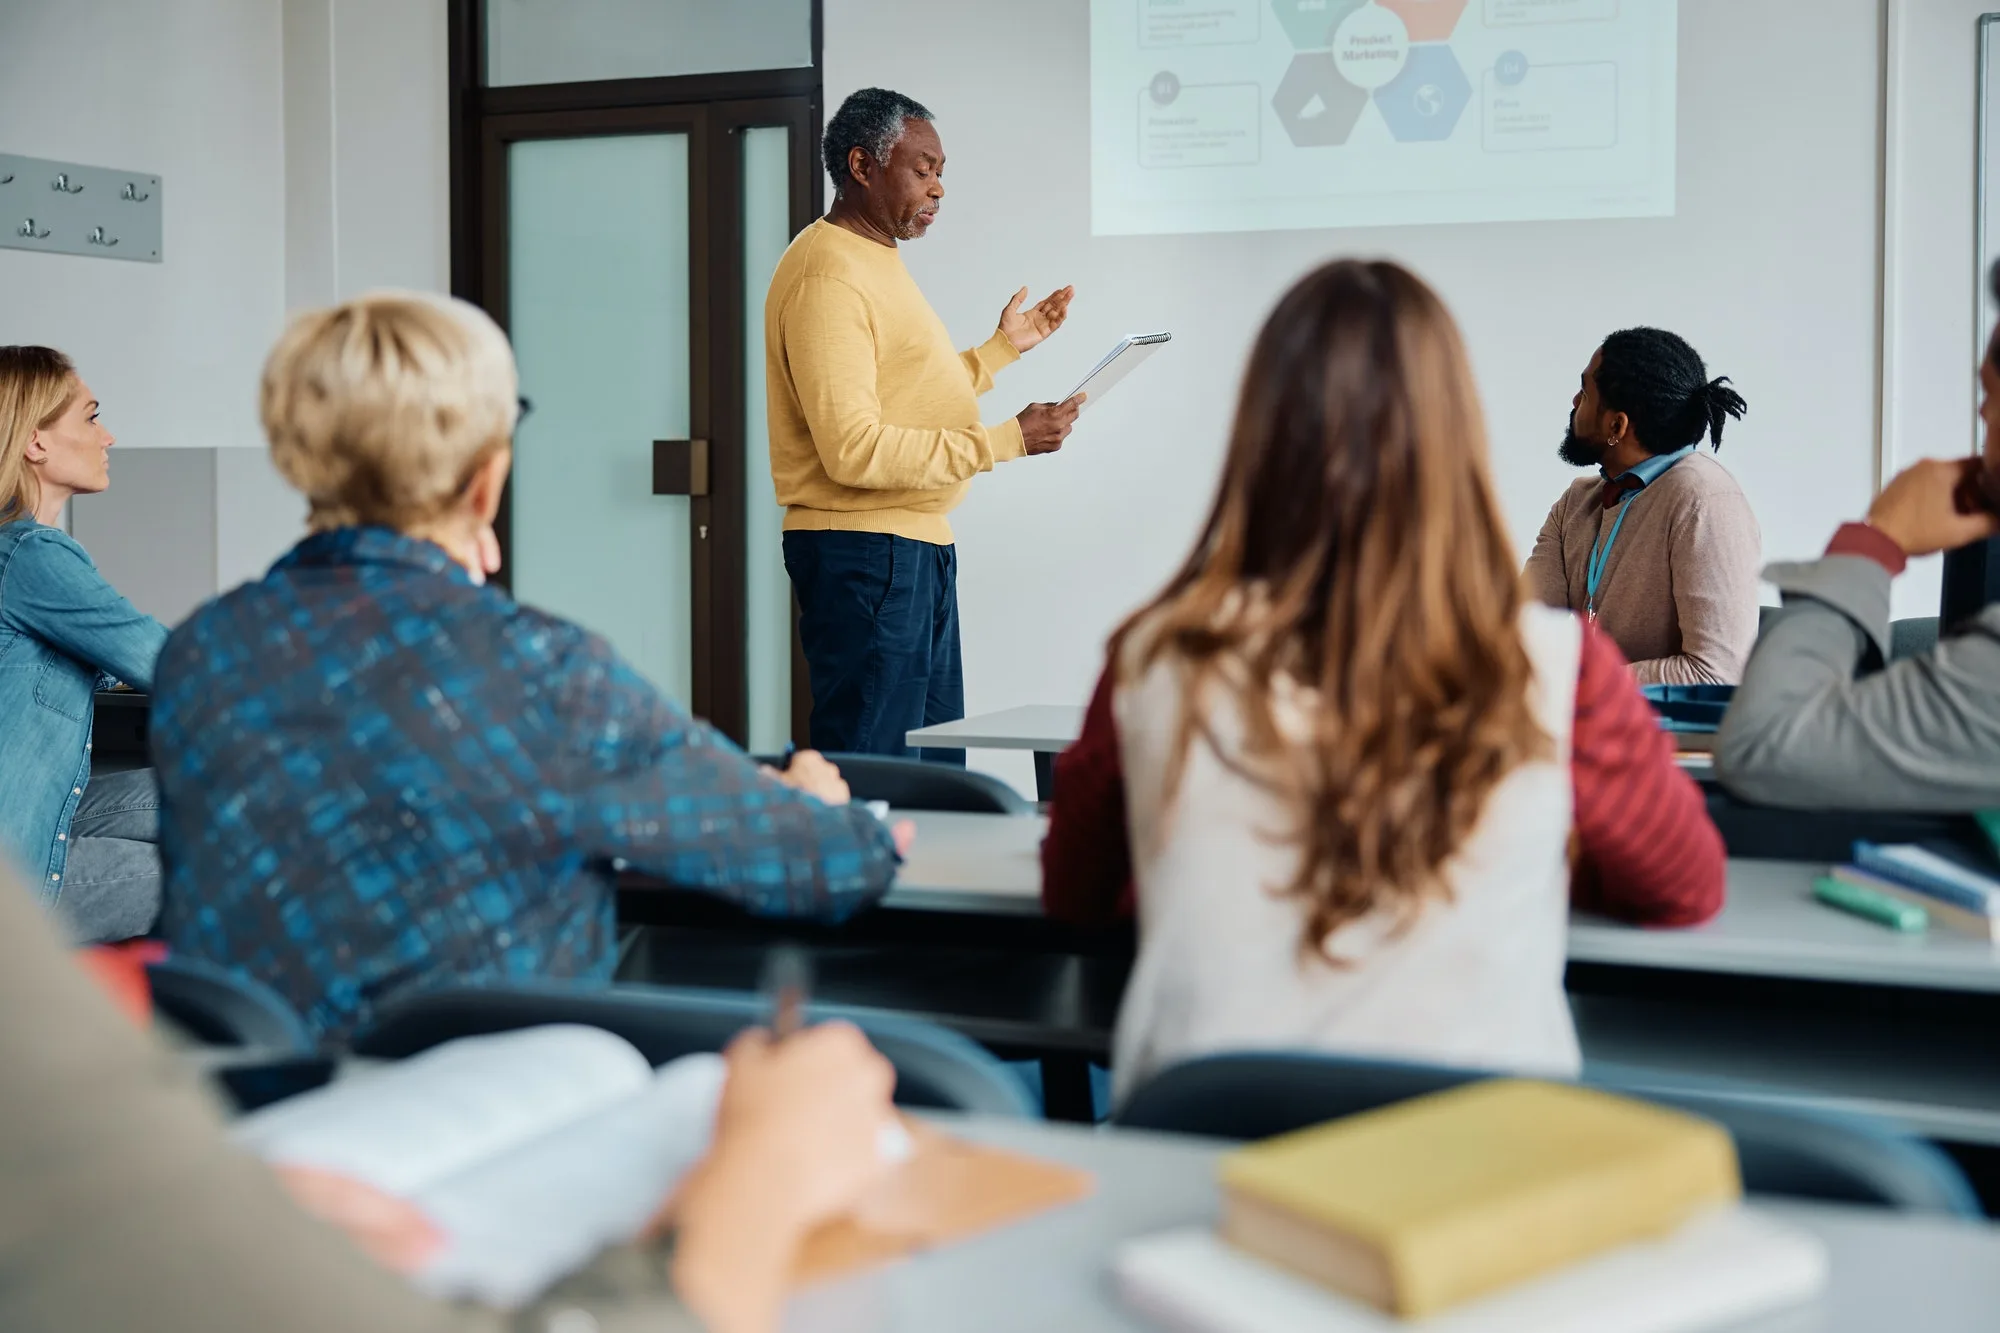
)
(1341, 761)
(87, 842)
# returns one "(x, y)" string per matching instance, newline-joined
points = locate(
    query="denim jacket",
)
(64, 633)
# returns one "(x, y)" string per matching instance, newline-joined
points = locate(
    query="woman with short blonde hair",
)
(86, 841)
(379, 774)
(1350, 755)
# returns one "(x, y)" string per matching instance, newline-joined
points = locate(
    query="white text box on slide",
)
(1556, 107)
(1526, 13)
(1178, 23)
(1206, 125)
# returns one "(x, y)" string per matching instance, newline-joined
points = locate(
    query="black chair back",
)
(1799, 1153)
(217, 1007)
(912, 784)
(935, 1067)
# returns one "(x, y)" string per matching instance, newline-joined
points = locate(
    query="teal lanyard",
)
(1600, 556)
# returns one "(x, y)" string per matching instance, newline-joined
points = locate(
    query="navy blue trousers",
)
(878, 619)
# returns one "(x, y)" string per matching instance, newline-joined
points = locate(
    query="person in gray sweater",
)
(1660, 547)
(123, 1205)
(1818, 721)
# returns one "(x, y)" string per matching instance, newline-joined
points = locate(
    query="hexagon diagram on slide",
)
(1428, 20)
(1310, 23)
(1423, 103)
(1317, 107)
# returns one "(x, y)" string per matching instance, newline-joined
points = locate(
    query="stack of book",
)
(1504, 1207)
(1950, 891)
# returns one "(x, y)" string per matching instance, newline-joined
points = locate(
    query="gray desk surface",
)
(1044, 727)
(1770, 926)
(1049, 1272)
(1052, 728)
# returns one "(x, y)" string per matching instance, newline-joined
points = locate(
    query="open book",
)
(530, 1151)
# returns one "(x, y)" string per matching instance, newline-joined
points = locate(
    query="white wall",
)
(1770, 269)
(188, 89)
(1930, 265)
(304, 148)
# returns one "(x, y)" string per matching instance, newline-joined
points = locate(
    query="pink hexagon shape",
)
(1427, 20)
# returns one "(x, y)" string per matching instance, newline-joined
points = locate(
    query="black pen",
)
(787, 981)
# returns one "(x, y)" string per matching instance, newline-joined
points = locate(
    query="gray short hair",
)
(871, 120)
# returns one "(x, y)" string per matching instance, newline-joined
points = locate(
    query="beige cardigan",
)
(122, 1205)
(1679, 591)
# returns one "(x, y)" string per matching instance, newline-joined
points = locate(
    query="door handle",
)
(680, 467)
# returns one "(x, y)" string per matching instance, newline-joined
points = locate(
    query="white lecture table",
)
(1049, 729)
(1889, 1270)
(1770, 925)
(1936, 1080)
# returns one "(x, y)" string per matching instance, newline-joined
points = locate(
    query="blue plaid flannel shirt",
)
(376, 776)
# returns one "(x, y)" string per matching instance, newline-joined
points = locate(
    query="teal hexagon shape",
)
(1315, 103)
(1310, 23)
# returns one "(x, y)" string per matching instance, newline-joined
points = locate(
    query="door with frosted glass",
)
(627, 252)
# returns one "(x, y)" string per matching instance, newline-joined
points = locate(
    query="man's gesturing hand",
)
(1026, 328)
(1921, 510)
(1044, 426)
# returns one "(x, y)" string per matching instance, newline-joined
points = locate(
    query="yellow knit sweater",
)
(874, 415)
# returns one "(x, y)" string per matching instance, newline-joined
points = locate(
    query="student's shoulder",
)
(26, 545)
(1701, 476)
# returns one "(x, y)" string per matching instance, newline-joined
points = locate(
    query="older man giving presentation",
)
(875, 433)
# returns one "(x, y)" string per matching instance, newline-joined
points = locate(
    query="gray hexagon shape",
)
(1317, 105)
(1310, 23)
(1423, 103)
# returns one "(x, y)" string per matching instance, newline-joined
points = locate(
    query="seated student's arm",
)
(674, 798)
(830, 350)
(1547, 575)
(123, 1206)
(1714, 557)
(53, 592)
(1648, 852)
(1086, 861)
(1807, 728)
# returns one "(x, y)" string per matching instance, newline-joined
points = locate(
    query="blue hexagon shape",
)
(1310, 23)
(1317, 106)
(1423, 103)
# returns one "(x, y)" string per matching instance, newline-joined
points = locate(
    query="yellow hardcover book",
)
(1422, 1205)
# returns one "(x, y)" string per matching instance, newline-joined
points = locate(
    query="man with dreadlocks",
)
(1660, 548)
(875, 433)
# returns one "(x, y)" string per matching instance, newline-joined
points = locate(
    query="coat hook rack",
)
(53, 207)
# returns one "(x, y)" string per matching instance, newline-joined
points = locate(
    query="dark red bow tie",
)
(1615, 489)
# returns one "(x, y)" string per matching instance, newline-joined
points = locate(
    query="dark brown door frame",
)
(712, 110)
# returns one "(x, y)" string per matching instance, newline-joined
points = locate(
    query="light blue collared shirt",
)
(1649, 471)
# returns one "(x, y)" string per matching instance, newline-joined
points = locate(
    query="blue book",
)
(1928, 873)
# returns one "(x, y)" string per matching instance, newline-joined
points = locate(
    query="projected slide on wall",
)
(1253, 115)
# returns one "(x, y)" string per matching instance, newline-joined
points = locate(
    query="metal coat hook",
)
(61, 182)
(7, 179)
(97, 237)
(33, 233)
(131, 192)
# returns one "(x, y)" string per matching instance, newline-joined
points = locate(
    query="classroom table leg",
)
(1066, 1089)
(1045, 775)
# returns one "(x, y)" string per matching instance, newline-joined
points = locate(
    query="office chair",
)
(935, 1068)
(1791, 1151)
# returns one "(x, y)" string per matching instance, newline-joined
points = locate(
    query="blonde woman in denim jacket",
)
(87, 845)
